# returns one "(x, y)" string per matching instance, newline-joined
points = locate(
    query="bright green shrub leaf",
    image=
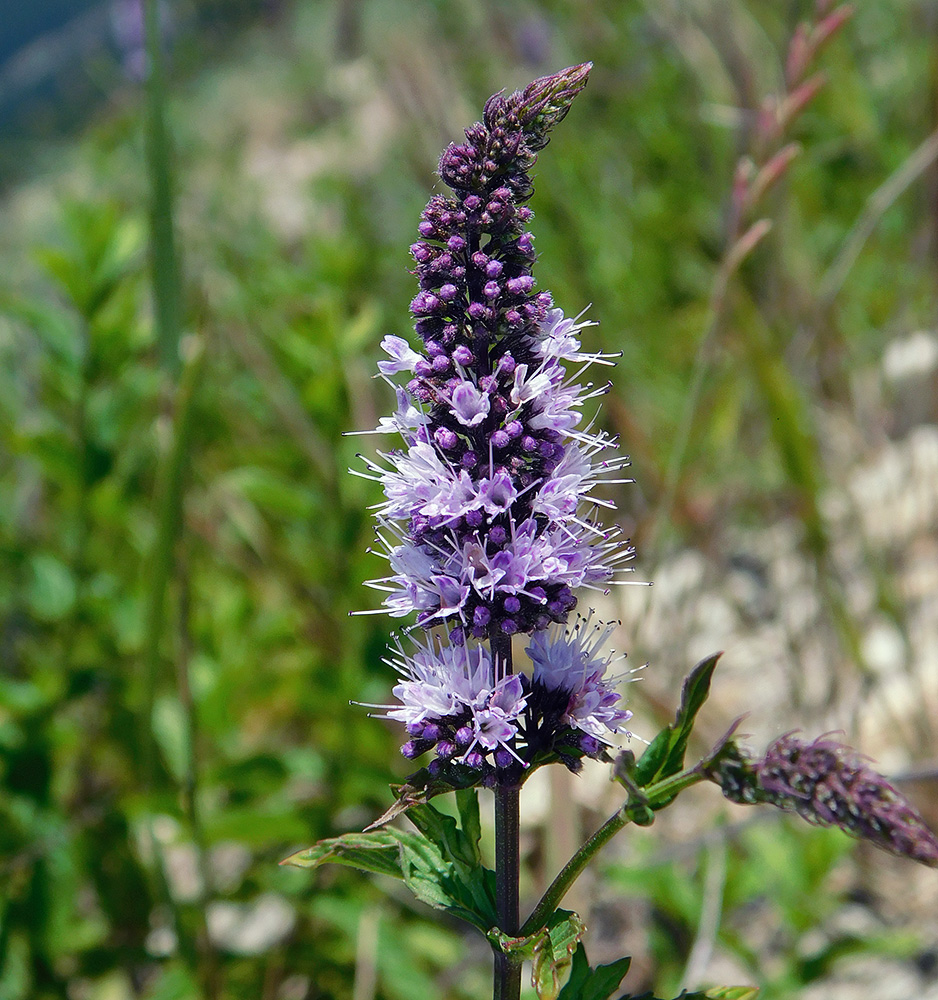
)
(51, 591)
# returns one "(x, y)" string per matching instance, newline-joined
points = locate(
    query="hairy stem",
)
(507, 981)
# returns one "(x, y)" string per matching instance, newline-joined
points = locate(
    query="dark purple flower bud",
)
(514, 318)
(522, 285)
(498, 535)
(472, 202)
(529, 443)
(464, 736)
(411, 749)
(590, 745)
(503, 758)
(476, 311)
(474, 759)
(538, 594)
(514, 428)
(431, 732)
(426, 228)
(456, 244)
(441, 364)
(423, 368)
(457, 636)
(419, 391)
(491, 290)
(422, 252)
(494, 268)
(469, 460)
(448, 292)
(463, 355)
(500, 439)
(481, 616)
(474, 518)
(509, 626)
(445, 749)
(512, 605)
(506, 363)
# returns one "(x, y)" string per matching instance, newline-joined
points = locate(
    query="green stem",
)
(656, 796)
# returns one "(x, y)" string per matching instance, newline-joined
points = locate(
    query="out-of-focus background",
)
(163, 747)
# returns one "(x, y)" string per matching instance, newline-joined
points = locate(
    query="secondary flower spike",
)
(489, 523)
(828, 784)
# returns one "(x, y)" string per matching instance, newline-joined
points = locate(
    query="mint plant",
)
(489, 527)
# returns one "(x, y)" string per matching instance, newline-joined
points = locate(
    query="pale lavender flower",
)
(570, 663)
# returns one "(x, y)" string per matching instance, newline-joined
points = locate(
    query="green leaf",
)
(549, 950)
(51, 589)
(378, 851)
(443, 831)
(433, 872)
(586, 983)
(665, 754)
(467, 802)
(465, 892)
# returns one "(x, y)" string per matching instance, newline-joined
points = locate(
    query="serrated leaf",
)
(665, 754)
(586, 983)
(469, 885)
(467, 893)
(442, 830)
(378, 851)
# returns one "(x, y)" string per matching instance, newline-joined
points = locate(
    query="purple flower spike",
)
(488, 520)
(828, 784)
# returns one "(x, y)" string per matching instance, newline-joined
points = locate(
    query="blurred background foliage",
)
(180, 544)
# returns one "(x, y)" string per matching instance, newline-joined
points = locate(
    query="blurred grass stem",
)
(164, 261)
(879, 202)
(166, 280)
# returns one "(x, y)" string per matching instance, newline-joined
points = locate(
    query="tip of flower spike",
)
(542, 104)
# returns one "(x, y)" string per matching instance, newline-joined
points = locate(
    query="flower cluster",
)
(827, 784)
(489, 520)
(458, 701)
